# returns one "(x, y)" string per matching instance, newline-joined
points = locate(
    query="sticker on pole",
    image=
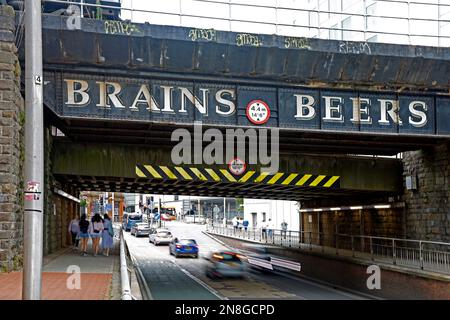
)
(237, 166)
(32, 192)
(258, 112)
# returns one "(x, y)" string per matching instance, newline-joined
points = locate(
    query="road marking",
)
(200, 282)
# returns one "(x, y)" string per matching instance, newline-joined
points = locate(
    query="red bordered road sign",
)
(258, 112)
(237, 166)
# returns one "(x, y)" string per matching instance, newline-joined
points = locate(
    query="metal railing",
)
(425, 255)
(124, 277)
(195, 15)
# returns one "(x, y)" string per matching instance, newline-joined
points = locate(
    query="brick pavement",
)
(95, 278)
(93, 286)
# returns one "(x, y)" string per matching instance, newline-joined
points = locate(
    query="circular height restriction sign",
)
(258, 112)
(237, 166)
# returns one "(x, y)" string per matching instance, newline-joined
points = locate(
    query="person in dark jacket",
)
(84, 225)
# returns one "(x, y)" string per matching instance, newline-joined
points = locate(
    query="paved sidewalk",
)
(59, 282)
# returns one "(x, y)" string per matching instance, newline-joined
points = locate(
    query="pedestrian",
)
(270, 228)
(284, 226)
(224, 222)
(235, 224)
(245, 224)
(107, 235)
(264, 229)
(84, 225)
(96, 231)
(74, 230)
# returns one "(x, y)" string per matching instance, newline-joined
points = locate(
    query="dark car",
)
(225, 264)
(183, 247)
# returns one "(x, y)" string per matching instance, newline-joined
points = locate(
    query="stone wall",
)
(368, 222)
(428, 208)
(11, 147)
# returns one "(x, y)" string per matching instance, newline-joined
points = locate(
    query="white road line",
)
(200, 282)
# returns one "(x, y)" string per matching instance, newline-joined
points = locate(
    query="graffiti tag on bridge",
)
(297, 43)
(202, 34)
(121, 28)
(245, 39)
(354, 47)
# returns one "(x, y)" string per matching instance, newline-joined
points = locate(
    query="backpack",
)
(84, 226)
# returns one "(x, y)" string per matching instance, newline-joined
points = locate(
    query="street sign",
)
(237, 166)
(258, 112)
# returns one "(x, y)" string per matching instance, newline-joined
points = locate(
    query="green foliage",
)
(240, 205)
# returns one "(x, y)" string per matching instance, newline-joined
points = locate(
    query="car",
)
(260, 260)
(129, 220)
(160, 236)
(183, 247)
(140, 229)
(224, 264)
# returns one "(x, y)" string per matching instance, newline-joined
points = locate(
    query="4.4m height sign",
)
(229, 104)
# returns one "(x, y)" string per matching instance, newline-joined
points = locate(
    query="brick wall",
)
(11, 147)
(428, 209)
(368, 222)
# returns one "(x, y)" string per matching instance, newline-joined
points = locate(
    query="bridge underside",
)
(155, 134)
(118, 167)
(208, 189)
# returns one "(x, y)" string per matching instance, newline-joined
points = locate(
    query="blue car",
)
(183, 247)
(129, 220)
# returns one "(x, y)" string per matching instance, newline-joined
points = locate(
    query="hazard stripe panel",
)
(215, 175)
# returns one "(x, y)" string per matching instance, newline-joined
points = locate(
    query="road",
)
(170, 278)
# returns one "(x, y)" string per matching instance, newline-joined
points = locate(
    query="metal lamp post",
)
(34, 154)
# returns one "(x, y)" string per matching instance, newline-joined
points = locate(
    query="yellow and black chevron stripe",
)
(188, 173)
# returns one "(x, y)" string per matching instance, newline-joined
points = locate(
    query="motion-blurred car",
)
(259, 259)
(183, 247)
(225, 264)
(140, 229)
(160, 236)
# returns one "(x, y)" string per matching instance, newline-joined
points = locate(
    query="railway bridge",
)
(350, 124)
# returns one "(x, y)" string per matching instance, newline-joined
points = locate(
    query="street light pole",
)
(34, 154)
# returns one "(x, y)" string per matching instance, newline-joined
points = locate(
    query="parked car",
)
(224, 264)
(140, 229)
(183, 247)
(160, 236)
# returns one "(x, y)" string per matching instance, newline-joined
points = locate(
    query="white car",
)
(160, 236)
